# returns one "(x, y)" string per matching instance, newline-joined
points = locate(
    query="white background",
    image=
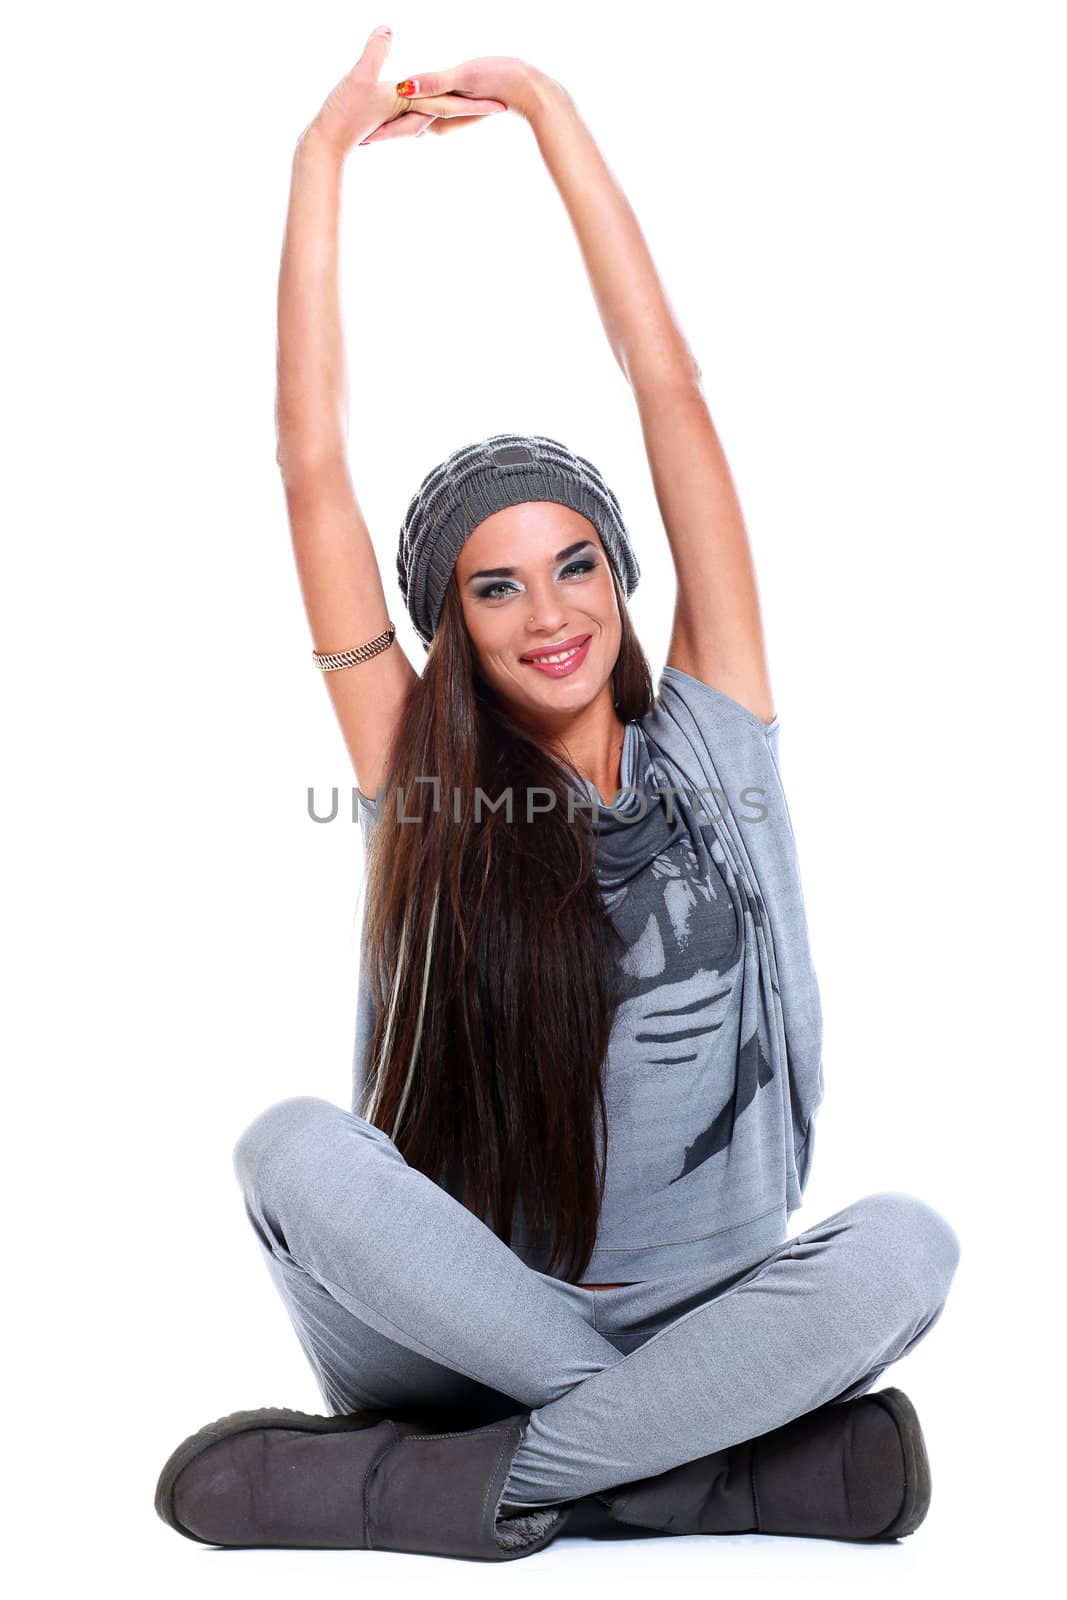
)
(856, 212)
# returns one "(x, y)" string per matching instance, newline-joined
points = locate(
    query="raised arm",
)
(338, 569)
(717, 634)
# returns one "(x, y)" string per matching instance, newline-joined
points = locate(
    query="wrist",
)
(314, 147)
(542, 95)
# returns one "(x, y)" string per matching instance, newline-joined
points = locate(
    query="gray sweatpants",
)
(402, 1297)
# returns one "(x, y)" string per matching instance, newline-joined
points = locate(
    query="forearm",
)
(311, 405)
(637, 317)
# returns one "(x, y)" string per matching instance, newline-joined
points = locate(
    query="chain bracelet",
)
(349, 658)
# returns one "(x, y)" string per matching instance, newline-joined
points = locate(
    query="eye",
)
(579, 568)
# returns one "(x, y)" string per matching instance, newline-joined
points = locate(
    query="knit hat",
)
(474, 481)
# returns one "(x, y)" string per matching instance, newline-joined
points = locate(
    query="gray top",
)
(713, 1073)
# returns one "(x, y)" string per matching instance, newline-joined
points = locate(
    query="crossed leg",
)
(402, 1297)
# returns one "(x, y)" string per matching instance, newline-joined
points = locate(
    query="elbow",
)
(298, 463)
(678, 374)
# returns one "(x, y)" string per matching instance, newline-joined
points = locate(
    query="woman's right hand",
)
(359, 105)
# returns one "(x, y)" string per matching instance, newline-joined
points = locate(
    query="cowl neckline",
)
(607, 818)
(632, 833)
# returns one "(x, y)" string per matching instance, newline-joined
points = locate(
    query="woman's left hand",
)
(508, 79)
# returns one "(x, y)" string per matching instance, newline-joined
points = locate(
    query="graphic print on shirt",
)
(708, 1157)
(675, 901)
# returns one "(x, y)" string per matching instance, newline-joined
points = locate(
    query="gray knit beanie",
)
(474, 481)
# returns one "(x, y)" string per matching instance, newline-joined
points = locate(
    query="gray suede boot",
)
(367, 1480)
(857, 1470)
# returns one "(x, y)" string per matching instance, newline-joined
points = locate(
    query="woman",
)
(540, 1269)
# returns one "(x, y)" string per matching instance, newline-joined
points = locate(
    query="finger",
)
(440, 88)
(445, 106)
(456, 105)
(374, 53)
(404, 127)
(430, 83)
(446, 124)
(398, 130)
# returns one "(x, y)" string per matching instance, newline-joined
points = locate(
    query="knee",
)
(273, 1140)
(914, 1244)
(298, 1136)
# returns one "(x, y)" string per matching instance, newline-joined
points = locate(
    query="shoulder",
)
(690, 713)
(711, 738)
(681, 689)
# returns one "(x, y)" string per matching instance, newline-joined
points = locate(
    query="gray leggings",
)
(402, 1297)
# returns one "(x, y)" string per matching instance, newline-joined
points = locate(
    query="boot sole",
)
(242, 1422)
(917, 1480)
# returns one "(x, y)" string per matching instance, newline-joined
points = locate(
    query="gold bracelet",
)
(348, 658)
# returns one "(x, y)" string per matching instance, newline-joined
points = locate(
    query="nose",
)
(545, 609)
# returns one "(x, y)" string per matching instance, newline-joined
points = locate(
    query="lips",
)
(571, 663)
(556, 649)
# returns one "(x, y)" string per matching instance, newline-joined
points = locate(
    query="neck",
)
(592, 746)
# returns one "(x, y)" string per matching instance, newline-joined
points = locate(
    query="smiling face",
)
(557, 591)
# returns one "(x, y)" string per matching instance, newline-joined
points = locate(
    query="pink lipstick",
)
(572, 657)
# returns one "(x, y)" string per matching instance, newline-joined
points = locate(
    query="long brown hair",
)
(494, 960)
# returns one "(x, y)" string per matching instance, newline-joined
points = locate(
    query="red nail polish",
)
(408, 86)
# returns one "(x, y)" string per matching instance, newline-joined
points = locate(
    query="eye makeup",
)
(579, 568)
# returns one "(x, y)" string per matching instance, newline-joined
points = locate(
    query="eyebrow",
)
(509, 572)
